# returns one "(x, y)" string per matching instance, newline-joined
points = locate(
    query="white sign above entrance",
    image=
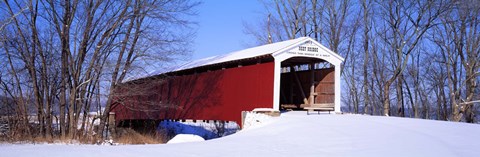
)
(308, 54)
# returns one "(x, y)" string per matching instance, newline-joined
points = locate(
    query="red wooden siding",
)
(214, 95)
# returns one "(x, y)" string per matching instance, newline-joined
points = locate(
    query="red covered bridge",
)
(296, 73)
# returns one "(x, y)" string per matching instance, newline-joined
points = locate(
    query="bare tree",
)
(458, 40)
(405, 25)
(60, 54)
(395, 51)
(367, 24)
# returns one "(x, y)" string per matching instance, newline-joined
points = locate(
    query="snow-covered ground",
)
(296, 134)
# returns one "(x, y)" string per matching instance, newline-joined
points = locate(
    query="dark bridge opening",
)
(305, 82)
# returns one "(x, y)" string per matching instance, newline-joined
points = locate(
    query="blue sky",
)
(220, 26)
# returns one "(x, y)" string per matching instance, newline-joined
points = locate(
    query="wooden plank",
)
(332, 105)
(312, 84)
(319, 108)
(289, 106)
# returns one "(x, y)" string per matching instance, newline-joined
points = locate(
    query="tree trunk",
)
(386, 99)
(400, 103)
(366, 56)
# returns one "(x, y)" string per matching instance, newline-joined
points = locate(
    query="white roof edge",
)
(316, 43)
(336, 55)
(303, 39)
(300, 40)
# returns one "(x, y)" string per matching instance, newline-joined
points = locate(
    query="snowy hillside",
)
(296, 134)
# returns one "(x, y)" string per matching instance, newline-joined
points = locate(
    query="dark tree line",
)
(407, 58)
(61, 59)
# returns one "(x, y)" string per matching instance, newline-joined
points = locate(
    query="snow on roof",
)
(233, 56)
(242, 54)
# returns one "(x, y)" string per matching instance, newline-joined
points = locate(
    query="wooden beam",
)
(282, 93)
(312, 84)
(305, 100)
(291, 89)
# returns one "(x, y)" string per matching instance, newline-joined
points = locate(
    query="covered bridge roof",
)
(253, 52)
(242, 54)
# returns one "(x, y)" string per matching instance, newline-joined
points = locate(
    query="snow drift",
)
(183, 138)
(296, 134)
